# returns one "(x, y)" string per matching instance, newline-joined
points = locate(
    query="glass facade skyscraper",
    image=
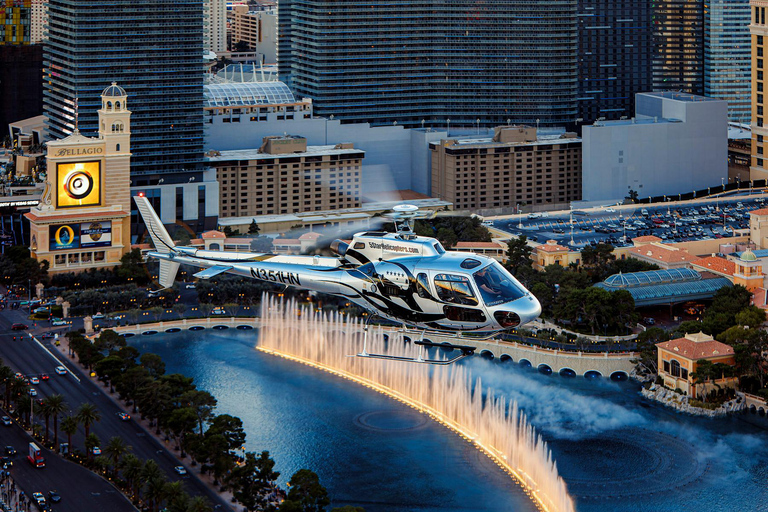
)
(678, 33)
(405, 61)
(615, 57)
(154, 49)
(727, 56)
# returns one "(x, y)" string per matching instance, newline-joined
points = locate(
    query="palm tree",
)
(69, 426)
(47, 415)
(6, 376)
(91, 442)
(132, 469)
(199, 504)
(150, 470)
(88, 414)
(55, 406)
(24, 407)
(174, 491)
(115, 449)
(155, 492)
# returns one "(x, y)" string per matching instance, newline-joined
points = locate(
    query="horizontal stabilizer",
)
(212, 271)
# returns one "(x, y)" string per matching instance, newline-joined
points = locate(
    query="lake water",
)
(616, 451)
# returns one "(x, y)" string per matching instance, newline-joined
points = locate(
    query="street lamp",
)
(448, 130)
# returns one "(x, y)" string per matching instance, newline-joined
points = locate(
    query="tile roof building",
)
(678, 359)
(665, 256)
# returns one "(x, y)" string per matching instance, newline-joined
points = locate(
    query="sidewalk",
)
(226, 496)
(12, 498)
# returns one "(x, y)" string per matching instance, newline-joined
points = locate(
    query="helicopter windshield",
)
(496, 286)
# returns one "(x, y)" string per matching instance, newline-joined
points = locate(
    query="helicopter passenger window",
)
(454, 289)
(423, 286)
(439, 248)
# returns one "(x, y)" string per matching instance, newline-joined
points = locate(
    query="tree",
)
(241, 46)
(447, 237)
(597, 260)
(155, 492)
(153, 363)
(181, 422)
(53, 407)
(131, 467)
(69, 426)
(179, 309)
(646, 349)
(132, 268)
(230, 427)
(751, 316)
(91, 442)
(253, 481)
(518, 254)
(88, 414)
(202, 404)
(116, 449)
(109, 340)
(199, 504)
(253, 229)
(262, 244)
(632, 195)
(306, 492)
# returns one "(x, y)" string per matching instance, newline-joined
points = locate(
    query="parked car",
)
(54, 496)
(649, 321)
(7, 421)
(190, 286)
(218, 311)
(19, 327)
(98, 316)
(57, 322)
(181, 470)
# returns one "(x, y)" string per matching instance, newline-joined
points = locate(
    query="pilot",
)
(485, 282)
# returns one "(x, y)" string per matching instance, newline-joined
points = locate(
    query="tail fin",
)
(160, 238)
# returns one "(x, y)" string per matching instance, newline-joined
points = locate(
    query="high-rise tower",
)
(615, 52)
(465, 61)
(727, 56)
(154, 48)
(678, 60)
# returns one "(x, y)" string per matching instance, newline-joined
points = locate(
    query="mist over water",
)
(620, 452)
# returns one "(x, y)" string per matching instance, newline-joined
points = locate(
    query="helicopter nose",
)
(519, 312)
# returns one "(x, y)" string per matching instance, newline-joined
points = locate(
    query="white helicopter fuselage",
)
(399, 276)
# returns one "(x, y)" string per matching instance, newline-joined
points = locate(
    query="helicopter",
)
(409, 279)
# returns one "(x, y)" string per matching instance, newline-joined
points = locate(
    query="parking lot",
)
(672, 222)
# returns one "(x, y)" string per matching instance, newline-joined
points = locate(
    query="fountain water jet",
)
(447, 394)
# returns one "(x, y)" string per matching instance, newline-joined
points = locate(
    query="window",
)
(455, 289)
(666, 366)
(457, 314)
(496, 285)
(423, 286)
(675, 368)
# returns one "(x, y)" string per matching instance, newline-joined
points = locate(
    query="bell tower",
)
(115, 131)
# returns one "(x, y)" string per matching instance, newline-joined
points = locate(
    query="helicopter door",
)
(456, 290)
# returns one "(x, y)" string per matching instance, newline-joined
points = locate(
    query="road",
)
(28, 357)
(79, 488)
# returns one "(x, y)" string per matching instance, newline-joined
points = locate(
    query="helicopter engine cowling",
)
(339, 247)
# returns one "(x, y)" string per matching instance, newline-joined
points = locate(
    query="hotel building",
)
(514, 167)
(286, 176)
(83, 219)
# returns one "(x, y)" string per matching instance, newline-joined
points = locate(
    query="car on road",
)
(34, 380)
(44, 376)
(181, 470)
(190, 286)
(41, 310)
(649, 321)
(60, 370)
(10, 451)
(32, 392)
(218, 311)
(610, 210)
(47, 335)
(6, 462)
(98, 316)
(19, 327)
(57, 322)
(38, 497)
(124, 416)
(96, 450)
(54, 496)
(7, 421)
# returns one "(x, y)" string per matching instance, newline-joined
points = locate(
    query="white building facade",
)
(676, 143)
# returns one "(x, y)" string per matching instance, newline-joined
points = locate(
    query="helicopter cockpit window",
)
(470, 263)
(496, 285)
(455, 289)
(359, 246)
(423, 286)
(439, 248)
